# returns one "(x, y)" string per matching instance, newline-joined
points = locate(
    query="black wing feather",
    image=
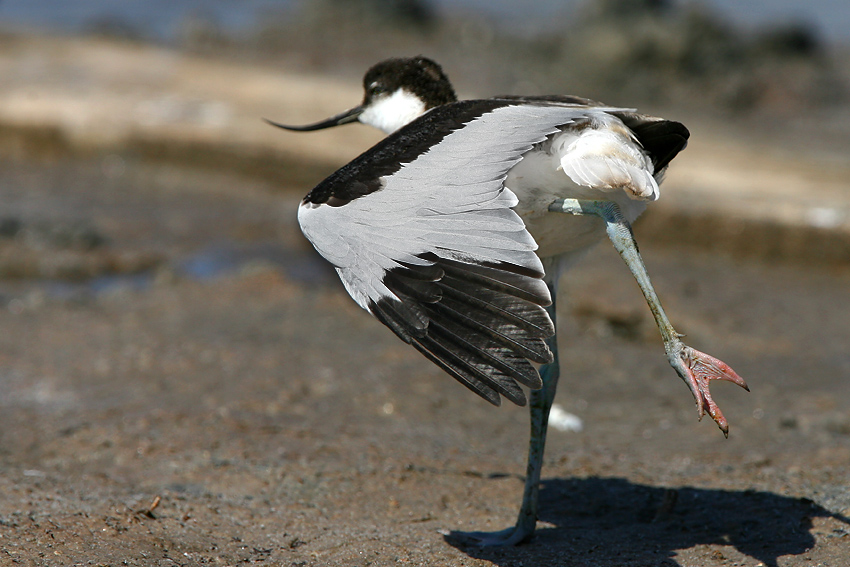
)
(483, 323)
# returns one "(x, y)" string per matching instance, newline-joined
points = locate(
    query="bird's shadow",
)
(612, 521)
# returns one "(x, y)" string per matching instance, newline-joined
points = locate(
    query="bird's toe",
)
(512, 536)
(698, 370)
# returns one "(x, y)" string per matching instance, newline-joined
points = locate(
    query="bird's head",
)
(396, 92)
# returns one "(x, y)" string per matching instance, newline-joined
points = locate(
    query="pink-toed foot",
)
(698, 369)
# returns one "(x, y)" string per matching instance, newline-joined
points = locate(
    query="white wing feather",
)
(449, 201)
(607, 156)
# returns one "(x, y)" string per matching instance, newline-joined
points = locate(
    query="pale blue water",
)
(162, 19)
(158, 18)
(217, 260)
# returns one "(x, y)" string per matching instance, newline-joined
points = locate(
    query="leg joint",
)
(609, 211)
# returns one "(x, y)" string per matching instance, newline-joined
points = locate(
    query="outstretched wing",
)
(422, 233)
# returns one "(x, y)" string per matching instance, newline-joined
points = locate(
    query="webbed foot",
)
(698, 369)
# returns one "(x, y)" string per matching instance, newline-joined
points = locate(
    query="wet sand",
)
(226, 403)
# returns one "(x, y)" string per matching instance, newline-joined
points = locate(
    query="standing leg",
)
(540, 403)
(696, 368)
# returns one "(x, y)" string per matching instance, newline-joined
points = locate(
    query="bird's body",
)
(596, 157)
(448, 230)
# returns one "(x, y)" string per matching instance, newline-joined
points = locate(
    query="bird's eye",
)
(376, 89)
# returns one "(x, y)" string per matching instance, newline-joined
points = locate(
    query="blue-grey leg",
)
(696, 368)
(540, 402)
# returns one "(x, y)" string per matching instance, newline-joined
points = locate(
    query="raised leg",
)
(696, 368)
(540, 402)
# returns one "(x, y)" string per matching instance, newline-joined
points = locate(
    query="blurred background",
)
(715, 54)
(165, 330)
(764, 87)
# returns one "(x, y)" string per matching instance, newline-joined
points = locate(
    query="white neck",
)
(389, 113)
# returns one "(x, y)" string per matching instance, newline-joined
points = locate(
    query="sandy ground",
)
(229, 405)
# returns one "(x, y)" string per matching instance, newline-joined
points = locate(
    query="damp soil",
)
(183, 382)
